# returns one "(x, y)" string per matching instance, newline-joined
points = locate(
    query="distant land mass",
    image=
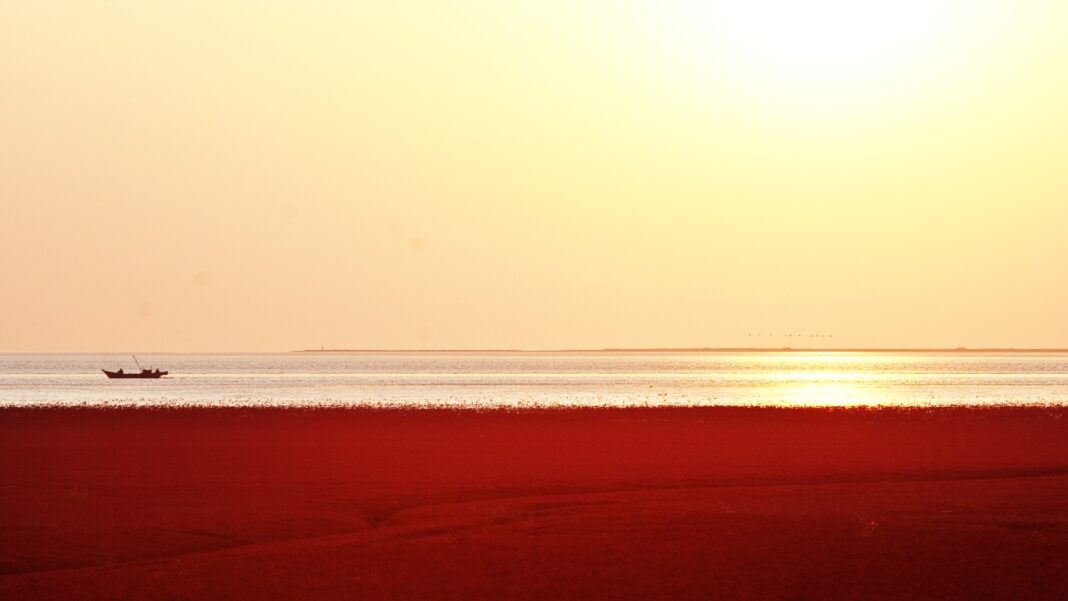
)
(704, 349)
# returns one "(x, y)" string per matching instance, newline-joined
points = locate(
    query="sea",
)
(518, 379)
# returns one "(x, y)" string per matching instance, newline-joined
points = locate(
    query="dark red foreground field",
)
(694, 503)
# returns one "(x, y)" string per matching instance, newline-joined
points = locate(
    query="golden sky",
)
(233, 175)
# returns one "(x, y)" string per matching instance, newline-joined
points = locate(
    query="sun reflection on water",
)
(829, 379)
(829, 394)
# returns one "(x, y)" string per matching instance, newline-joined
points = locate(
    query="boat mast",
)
(137, 362)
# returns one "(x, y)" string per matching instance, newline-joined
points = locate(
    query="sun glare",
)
(823, 49)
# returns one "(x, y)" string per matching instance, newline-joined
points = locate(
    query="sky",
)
(272, 175)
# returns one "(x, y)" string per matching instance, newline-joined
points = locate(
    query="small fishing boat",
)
(144, 373)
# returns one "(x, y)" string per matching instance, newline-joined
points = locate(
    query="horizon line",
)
(666, 349)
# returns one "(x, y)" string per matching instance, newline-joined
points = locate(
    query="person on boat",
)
(120, 370)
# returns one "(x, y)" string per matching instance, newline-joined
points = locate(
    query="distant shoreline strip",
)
(781, 349)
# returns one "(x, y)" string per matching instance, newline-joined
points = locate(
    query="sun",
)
(821, 49)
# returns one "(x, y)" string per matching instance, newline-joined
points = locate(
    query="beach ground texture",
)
(607, 503)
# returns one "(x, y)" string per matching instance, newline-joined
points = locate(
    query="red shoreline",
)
(747, 503)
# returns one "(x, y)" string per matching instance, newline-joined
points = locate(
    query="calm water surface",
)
(489, 379)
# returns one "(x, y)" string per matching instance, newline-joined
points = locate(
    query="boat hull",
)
(145, 375)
